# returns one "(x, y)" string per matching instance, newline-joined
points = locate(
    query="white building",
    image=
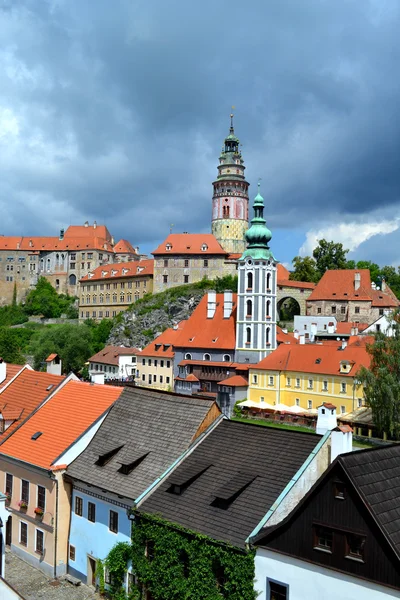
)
(113, 362)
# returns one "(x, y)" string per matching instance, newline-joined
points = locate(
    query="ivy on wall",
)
(173, 563)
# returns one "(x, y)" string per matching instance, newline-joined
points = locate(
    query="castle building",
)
(257, 288)
(230, 204)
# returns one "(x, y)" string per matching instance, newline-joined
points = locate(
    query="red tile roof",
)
(110, 354)
(211, 363)
(124, 247)
(11, 371)
(133, 268)
(74, 231)
(282, 272)
(315, 358)
(343, 327)
(285, 338)
(61, 420)
(163, 345)
(201, 332)
(190, 243)
(339, 285)
(33, 244)
(235, 381)
(304, 285)
(24, 394)
(192, 377)
(51, 357)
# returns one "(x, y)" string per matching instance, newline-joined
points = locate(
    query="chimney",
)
(326, 420)
(341, 440)
(30, 243)
(211, 304)
(97, 378)
(94, 224)
(53, 364)
(344, 344)
(61, 234)
(383, 286)
(137, 249)
(228, 303)
(357, 281)
(3, 370)
(302, 339)
(18, 245)
(331, 327)
(86, 223)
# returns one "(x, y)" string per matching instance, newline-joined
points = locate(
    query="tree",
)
(373, 268)
(329, 255)
(73, 343)
(44, 300)
(381, 381)
(305, 269)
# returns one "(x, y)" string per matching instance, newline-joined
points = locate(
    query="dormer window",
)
(204, 248)
(168, 247)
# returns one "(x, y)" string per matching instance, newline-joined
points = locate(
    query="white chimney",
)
(341, 440)
(344, 344)
(357, 281)
(54, 364)
(296, 334)
(326, 420)
(94, 225)
(98, 378)
(302, 339)
(228, 303)
(383, 286)
(331, 327)
(3, 370)
(86, 223)
(211, 304)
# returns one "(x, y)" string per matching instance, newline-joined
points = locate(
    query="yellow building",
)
(308, 375)
(110, 289)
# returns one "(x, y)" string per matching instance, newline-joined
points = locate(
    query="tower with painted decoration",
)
(256, 302)
(230, 204)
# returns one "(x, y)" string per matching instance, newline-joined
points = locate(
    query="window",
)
(78, 506)
(339, 490)
(188, 356)
(167, 380)
(255, 378)
(323, 539)
(249, 281)
(165, 278)
(357, 310)
(168, 366)
(248, 335)
(150, 550)
(161, 378)
(355, 546)
(205, 262)
(149, 362)
(288, 381)
(267, 339)
(249, 311)
(324, 386)
(186, 262)
(277, 591)
(113, 523)
(271, 380)
(186, 279)
(310, 384)
(342, 388)
(309, 404)
(25, 491)
(91, 512)
(359, 402)
(297, 401)
(342, 410)
(41, 497)
(297, 381)
(72, 553)
(206, 356)
(262, 398)
(9, 484)
(23, 534)
(343, 310)
(319, 310)
(165, 262)
(333, 310)
(380, 312)
(39, 545)
(161, 363)
(227, 358)
(143, 377)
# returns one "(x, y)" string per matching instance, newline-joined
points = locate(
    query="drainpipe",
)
(55, 530)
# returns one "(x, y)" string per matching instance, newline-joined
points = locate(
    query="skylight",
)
(181, 479)
(36, 435)
(229, 492)
(107, 455)
(129, 462)
(49, 387)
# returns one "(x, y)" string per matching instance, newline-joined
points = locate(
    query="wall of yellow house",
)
(307, 390)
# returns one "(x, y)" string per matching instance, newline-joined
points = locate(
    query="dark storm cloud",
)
(117, 111)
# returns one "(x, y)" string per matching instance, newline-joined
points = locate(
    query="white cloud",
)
(351, 235)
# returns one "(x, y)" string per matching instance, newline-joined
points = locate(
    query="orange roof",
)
(315, 358)
(208, 363)
(339, 285)
(234, 256)
(191, 377)
(61, 421)
(163, 345)
(190, 243)
(282, 272)
(110, 354)
(235, 381)
(304, 285)
(51, 357)
(201, 332)
(11, 371)
(344, 327)
(133, 268)
(74, 231)
(285, 338)
(25, 394)
(32, 244)
(124, 247)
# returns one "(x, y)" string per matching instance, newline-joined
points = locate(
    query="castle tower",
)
(230, 209)
(256, 302)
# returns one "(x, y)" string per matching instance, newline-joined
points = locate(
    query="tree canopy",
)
(44, 300)
(329, 255)
(305, 269)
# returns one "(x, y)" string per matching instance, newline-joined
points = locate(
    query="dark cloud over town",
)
(117, 112)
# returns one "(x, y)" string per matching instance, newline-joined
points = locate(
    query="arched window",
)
(248, 335)
(249, 281)
(267, 336)
(227, 358)
(188, 356)
(207, 356)
(115, 298)
(136, 296)
(101, 298)
(57, 257)
(122, 297)
(107, 298)
(268, 308)
(72, 279)
(94, 298)
(249, 305)
(268, 281)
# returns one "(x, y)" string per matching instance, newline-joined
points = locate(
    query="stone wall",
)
(297, 293)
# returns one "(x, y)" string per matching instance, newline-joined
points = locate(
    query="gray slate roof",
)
(141, 421)
(376, 475)
(237, 455)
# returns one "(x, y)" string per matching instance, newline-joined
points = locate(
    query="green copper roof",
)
(258, 235)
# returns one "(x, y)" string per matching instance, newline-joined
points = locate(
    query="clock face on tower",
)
(249, 262)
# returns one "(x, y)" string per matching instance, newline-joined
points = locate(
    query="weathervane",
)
(171, 227)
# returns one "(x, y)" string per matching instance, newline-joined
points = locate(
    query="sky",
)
(116, 112)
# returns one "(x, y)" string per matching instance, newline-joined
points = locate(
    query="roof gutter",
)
(188, 451)
(289, 486)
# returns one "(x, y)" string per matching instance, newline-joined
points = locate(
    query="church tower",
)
(230, 205)
(256, 302)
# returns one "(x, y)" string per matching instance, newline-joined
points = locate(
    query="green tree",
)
(73, 343)
(100, 332)
(381, 381)
(329, 255)
(10, 346)
(305, 269)
(373, 268)
(44, 300)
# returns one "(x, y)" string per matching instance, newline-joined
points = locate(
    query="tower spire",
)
(231, 130)
(258, 235)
